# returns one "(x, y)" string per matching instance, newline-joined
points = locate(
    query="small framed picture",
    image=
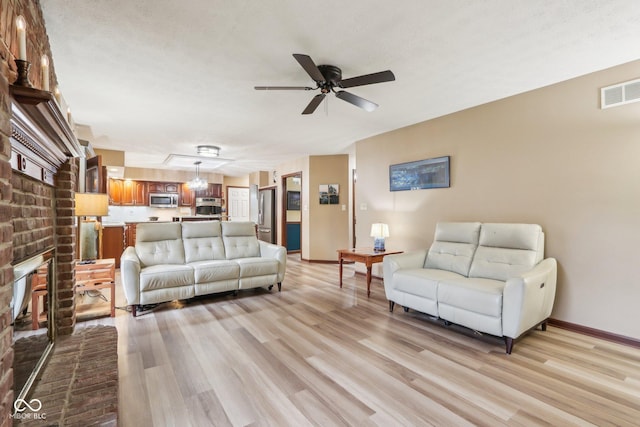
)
(329, 194)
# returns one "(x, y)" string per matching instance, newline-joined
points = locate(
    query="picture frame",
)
(293, 200)
(420, 174)
(329, 194)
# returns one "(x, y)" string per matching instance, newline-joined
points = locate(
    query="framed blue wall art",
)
(420, 174)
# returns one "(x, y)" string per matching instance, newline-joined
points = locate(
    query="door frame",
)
(283, 209)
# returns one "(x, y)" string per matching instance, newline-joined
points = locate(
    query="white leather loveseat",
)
(181, 260)
(491, 278)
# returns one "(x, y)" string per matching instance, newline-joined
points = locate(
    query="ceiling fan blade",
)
(317, 100)
(309, 66)
(368, 79)
(282, 88)
(357, 101)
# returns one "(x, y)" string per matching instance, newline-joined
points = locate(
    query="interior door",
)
(238, 204)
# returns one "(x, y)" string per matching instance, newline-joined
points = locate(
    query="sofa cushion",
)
(421, 281)
(165, 276)
(453, 247)
(250, 267)
(507, 250)
(159, 243)
(214, 270)
(202, 241)
(478, 295)
(240, 240)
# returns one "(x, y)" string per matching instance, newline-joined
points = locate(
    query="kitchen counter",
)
(197, 218)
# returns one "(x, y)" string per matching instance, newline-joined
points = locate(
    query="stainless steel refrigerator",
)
(267, 215)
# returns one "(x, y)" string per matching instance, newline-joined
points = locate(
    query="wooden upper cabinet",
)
(156, 187)
(115, 187)
(213, 190)
(171, 187)
(141, 195)
(163, 187)
(128, 193)
(187, 196)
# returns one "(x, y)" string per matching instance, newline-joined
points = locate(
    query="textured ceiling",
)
(159, 77)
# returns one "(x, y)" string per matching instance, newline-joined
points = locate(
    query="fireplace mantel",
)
(42, 139)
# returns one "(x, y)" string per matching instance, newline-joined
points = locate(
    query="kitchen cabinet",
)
(113, 242)
(114, 188)
(213, 190)
(128, 193)
(134, 193)
(130, 234)
(163, 187)
(187, 196)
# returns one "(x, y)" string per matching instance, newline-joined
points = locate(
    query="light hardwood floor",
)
(315, 354)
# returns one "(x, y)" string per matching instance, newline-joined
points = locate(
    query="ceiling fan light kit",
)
(328, 78)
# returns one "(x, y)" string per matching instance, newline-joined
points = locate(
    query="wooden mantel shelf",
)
(41, 138)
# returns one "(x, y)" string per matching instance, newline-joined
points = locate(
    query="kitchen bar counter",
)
(197, 218)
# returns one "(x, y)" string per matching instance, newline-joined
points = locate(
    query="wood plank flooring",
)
(315, 354)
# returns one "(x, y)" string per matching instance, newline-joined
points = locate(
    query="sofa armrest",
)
(277, 252)
(130, 275)
(528, 298)
(395, 262)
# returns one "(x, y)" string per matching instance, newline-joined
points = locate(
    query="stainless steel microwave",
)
(163, 200)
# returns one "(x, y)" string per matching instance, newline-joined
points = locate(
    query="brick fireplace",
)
(38, 175)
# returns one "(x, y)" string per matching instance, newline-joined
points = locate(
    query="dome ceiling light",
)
(208, 150)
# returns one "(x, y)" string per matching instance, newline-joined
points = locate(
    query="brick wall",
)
(65, 246)
(45, 231)
(6, 253)
(32, 216)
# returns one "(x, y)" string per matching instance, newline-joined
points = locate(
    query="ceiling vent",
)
(620, 94)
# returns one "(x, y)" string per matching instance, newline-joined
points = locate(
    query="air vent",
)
(620, 94)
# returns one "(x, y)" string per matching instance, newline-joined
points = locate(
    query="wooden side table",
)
(364, 255)
(99, 275)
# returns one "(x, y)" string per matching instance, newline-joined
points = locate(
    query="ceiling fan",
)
(328, 78)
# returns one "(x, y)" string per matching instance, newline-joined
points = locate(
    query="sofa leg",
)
(447, 323)
(134, 310)
(543, 325)
(508, 341)
(279, 286)
(270, 287)
(391, 305)
(406, 309)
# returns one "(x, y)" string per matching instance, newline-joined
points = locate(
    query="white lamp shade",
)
(92, 204)
(379, 230)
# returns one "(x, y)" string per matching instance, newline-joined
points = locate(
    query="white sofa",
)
(491, 278)
(181, 260)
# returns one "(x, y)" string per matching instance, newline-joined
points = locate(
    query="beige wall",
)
(328, 224)
(550, 157)
(111, 157)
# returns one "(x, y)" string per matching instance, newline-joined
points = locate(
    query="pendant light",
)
(197, 183)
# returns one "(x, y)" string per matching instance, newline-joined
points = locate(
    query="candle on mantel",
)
(58, 95)
(21, 25)
(44, 62)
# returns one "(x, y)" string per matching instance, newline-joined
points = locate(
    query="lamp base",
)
(378, 244)
(23, 73)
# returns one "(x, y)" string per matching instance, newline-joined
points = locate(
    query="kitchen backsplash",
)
(118, 214)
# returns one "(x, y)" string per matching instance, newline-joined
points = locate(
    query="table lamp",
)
(91, 204)
(379, 231)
